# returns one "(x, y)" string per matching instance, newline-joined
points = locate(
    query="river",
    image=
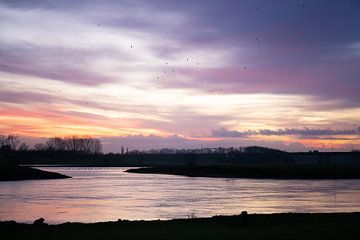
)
(107, 194)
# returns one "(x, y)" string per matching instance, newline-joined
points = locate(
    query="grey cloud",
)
(61, 64)
(224, 133)
(26, 97)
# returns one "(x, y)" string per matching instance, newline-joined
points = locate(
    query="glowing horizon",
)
(150, 74)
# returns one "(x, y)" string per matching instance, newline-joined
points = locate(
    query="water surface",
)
(103, 194)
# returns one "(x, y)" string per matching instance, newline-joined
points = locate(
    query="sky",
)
(183, 74)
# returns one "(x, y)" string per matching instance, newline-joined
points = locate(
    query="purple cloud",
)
(62, 64)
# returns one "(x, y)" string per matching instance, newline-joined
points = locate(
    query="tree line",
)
(83, 144)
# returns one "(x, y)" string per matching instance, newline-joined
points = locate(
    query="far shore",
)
(253, 226)
(256, 171)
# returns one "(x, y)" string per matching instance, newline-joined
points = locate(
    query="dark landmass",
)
(254, 226)
(10, 172)
(249, 164)
(259, 171)
(185, 159)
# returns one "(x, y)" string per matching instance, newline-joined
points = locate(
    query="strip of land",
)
(10, 172)
(259, 171)
(253, 226)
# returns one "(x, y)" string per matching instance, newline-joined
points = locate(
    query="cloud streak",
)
(224, 133)
(181, 68)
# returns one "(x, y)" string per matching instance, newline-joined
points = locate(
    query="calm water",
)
(103, 194)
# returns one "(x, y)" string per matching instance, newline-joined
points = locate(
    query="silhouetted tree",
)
(11, 142)
(2, 140)
(97, 146)
(55, 144)
(74, 143)
(40, 147)
(257, 149)
(23, 147)
(122, 150)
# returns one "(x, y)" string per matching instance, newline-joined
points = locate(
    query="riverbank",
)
(186, 159)
(256, 171)
(11, 172)
(252, 226)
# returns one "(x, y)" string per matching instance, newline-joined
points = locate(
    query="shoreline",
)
(257, 172)
(244, 226)
(10, 172)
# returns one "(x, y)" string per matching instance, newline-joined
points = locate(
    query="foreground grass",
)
(261, 226)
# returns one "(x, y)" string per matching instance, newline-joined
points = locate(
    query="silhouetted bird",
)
(164, 71)
(173, 70)
(187, 59)
(131, 46)
(166, 63)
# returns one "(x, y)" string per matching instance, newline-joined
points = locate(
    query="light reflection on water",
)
(103, 194)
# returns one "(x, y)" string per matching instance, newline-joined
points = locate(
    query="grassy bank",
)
(11, 172)
(261, 226)
(260, 171)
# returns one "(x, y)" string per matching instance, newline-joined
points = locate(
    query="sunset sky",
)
(186, 74)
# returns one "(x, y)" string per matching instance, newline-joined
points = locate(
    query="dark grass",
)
(261, 226)
(260, 171)
(10, 172)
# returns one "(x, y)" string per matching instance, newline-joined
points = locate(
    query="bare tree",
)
(2, 141)
(40, 147)
(12, 141)
(72, 143)
(75, 143)
(23, 147)
(97, 148)
(56, 144)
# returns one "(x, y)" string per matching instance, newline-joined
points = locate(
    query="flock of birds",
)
(166, 71)
(188, 60)
(208, 87)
